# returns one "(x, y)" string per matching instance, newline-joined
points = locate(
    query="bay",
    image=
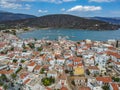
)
(71, 34)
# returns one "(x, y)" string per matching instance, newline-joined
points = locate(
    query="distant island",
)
(59, 21)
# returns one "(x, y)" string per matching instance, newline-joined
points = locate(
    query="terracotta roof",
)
(115, 54)
(6, 71)
(70, 65)
(114, 86)
(31, 64)
(93, 67)
(23, 75)
(80, 64)
(63, 88)
(118, 63)
(104, 79)
(111, 48)
(26, 81)
(37, 67)
(84, 88)
(47, 88)
(77, 59)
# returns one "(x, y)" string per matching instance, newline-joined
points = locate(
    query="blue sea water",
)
(72, 34)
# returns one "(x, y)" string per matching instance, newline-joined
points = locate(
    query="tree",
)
(105, 87)
(22, 61)
(48, 81)
(1, 83)
(87, 72)
(3, 77)
(31, 45)
(13, 76)
(39, 49)
(15, 60)
(115, 79)
(73, 82)
(5, 87)
(42, 71)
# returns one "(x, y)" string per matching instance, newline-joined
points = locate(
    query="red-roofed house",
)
(84, 88)
(94, 69)
(31, 66)
(37, 69)
(64, 88)
(114, 86)
(103, 80)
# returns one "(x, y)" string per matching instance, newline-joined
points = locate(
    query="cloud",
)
(57, 1)
(42, 11)
(27, 6)
(12, 4)
(16, 4)
(50, 1)
(99, 1)
(63, 9)
(80, 8)
(8, 4)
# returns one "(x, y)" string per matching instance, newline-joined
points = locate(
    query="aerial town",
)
(61, 64)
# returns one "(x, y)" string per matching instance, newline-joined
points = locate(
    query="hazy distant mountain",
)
(113, 20)
(61, 21)
(8, 16)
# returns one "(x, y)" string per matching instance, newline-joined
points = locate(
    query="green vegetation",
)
(42, 71)
(73, 82)
(5, 87)
(105, 87)
(18, 70)
(12, 48)
(22, 61)
(26, 29)
(116, 79)
(13, 76)
(31, 45)
(3, 77)
(48, 81)
(39, 49)
(87, 72)
(15, 60)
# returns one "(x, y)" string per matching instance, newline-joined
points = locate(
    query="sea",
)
(71, 34)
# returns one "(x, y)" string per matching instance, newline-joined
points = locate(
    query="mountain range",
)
(11, 20)
(8, 16)
(112, 20)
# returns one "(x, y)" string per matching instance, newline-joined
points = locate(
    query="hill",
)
(8, 16)
(113, 20)
(60, 21)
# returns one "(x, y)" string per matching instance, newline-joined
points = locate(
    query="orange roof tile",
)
(70, 65)
(104, 79)
(37, 67)
(111, 48)
(26, 81)
(77, 59)
(84, 88)
(63, 88)
(47, 88)
(80, 64)
(6, 71)
(23, 75)
(114, 86)
(31, 64)
(115, 54)
(117, 63)
(93, 67)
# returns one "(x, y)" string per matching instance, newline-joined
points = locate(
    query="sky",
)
(83, 8)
